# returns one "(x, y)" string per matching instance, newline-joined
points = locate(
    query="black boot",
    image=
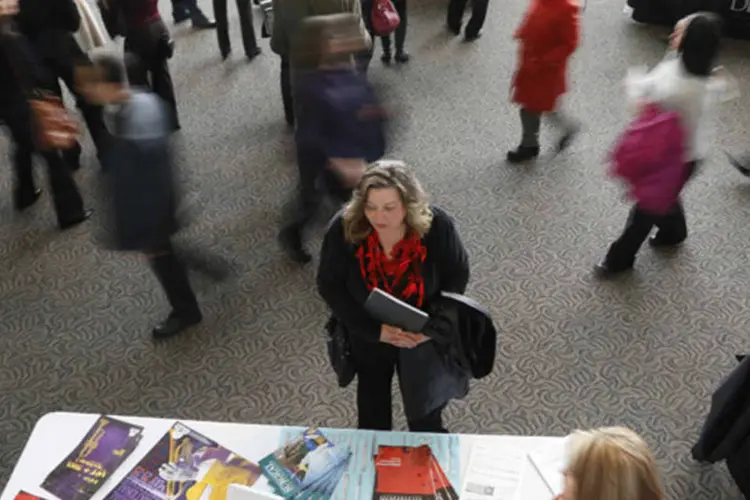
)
(387, 56)
(291, 242)
(402, 56)
(522, 154)
(24, 198)
(174, 281)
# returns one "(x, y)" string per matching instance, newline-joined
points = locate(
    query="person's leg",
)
(455, 15)
(567, 126)
(249, 42)
(529, 148)
(25, 192)
(196, 15)
(621, 254)
(172, 276)
(385, 42)
(222, 27)
(432, 423)
(375, 368)
(65, 194)
(400, 35)
(478, 15)
(286, 92)
(180, 12)
(672, 228)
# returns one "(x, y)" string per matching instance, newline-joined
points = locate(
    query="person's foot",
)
(23, 199)
(741, 164)
(454, 29)
(386, 57)
(402, 57)
(225, 53)
(180, 17)
(204, 24)
(471, 37)
(663, 243)
(253, 54)
(72, 157)
(291, 243)
(74, 221)
(567, 139)
(522, 154)
(175, 324)
(603, 270)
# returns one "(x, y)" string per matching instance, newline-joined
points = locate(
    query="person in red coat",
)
(548, 36)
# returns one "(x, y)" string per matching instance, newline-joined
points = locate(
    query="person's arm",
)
(453, 261)
(68, 17)
(335, 257)
(568, 42)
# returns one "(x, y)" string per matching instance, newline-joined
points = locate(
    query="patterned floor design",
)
(645, 351)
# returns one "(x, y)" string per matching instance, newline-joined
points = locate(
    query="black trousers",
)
(172, 275)
(311, 167)
(400, 33)
(375, 368)
(456, 10)
(148, 44)
(66, 198)
(672, 230)
(286, 91)
(189, 8)
(246, 25)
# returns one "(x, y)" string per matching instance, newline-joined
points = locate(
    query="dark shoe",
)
(69, 223)
(663, 243)
(454, 29)
(522, 154)
(741, 164)
(180, 17)
(567, 138)
(204, 24)
(24, 199)
(175, 324)
(291, 243)
(471, 37)
(72, 157)
(225, 54)
(253, 54)
(603, 270)
(402, 57)
(386, 57)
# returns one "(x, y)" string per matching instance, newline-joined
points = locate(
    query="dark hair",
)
(700, 44)
(110, 68)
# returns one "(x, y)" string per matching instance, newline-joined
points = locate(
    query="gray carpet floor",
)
(644, 351)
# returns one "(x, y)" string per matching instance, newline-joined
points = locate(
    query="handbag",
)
(340, 352)
(385, 19)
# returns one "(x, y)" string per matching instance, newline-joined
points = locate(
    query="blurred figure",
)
(286, 18)
(249, 42)
(141, 184)
(682, 84)
(22, 76)
(548, 36)
(182, 10)
(340, 123)
(610, 463)
(400, 36)
(50, 25)
(456, 10)
(147, 37)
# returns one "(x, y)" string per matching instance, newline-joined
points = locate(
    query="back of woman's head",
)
(612, 463)
(700, 42)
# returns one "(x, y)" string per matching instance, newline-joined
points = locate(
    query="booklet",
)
(185, 465)
(410, 473)
(392, 311)
(309, 466)
(104, 448)
(25, 495)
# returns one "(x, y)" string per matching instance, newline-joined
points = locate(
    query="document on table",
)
(493, 473)
(549, 463)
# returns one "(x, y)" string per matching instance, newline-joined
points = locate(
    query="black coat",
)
(726, 432)
(428, 380)
(49, 25)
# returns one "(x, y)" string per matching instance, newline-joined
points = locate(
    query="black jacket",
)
(428, 377)
(49, 25)
(20, 69)
(726, 432)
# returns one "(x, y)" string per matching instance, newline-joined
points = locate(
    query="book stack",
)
(309, 467)
(410, 473)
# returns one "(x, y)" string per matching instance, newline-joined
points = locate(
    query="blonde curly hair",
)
(381, 175)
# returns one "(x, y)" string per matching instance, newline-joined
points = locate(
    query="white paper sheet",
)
(549, 464)
(493, 473)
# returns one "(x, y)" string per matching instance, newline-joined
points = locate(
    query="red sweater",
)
(139, 12)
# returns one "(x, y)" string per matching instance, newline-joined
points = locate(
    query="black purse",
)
(339, 351)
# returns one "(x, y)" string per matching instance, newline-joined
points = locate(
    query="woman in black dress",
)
(390, 237)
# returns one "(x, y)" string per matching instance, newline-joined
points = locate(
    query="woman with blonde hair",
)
(390, 237)
(610, 463)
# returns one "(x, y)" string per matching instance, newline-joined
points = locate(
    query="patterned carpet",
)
(645, 351)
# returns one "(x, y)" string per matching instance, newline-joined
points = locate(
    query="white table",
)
(57, 434)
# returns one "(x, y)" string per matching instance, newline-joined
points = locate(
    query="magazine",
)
(185, 465)
(25, 495)
(106, 445)
(309, 466)
(410, 473)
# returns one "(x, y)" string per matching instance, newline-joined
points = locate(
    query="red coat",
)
(548, 36)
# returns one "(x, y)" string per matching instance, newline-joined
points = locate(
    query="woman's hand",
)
(8, 8)
(397, 337)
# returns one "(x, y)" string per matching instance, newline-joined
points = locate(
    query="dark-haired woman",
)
(389, 237)
(683, 82)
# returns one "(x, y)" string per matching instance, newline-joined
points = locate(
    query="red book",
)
(404, 473)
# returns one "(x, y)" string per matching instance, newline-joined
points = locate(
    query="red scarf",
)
(400, 276)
